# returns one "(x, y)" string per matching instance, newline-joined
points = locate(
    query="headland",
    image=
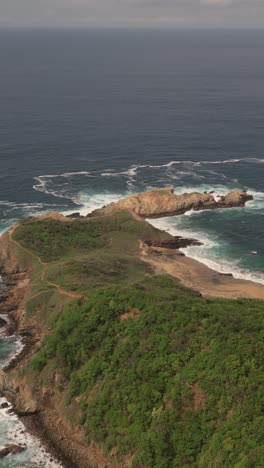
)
(133, 351)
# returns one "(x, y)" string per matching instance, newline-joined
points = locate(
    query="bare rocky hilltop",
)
(164, 202)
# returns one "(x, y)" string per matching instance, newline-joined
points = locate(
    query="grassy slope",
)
(179, 385)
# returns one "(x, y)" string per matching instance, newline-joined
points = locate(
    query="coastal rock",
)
(4, 405)
(236, 198)
(4, 382)
(22, 406)
(3, 322)
(164, 202)
(75, 216)
(176, 242)
(25, 407)
(11, 449)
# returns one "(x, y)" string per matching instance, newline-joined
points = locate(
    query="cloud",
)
(217, 3)
(74, 13)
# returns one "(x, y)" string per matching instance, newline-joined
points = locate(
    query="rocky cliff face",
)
(164, 202)
(9, 262)
(22, 401)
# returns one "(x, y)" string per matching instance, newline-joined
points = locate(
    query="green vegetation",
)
(87, 253)
(53, 240)
(180, 385)
(155, 373)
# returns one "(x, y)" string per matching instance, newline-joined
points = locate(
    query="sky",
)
(132, 13)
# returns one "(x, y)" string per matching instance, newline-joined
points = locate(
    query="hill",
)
(135, 369)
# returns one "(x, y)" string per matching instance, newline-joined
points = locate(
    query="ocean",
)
(88, 117)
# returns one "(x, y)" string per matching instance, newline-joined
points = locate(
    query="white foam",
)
(202, 253)
(225, 266)
(41, 186)
(218, 189)
(13, 431)
(231, 161)
(17, 345)
(89, 203)
(258, 202)
(73, 174)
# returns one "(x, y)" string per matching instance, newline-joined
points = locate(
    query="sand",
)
(198, 276)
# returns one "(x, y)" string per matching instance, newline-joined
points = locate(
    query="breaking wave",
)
(206, 253)
(13, 432)
(84, 191)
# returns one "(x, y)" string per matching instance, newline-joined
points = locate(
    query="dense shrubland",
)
(179, 385)
(154, 372)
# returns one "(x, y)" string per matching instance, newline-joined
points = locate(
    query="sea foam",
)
(13, 431)
(203, 253)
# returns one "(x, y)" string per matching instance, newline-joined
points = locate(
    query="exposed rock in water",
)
(11, 449)
(4, 405)
(176, 242)
(164, 202)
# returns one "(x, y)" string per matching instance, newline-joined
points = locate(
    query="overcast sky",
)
(140, 13)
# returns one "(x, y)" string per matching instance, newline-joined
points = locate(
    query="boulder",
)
(236, 198)
(11, 448)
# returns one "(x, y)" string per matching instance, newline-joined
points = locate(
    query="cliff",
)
(164, 202)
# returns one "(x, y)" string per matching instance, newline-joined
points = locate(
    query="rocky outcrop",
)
(23, 405)
(75, 216)
(11, 449)
(176, 242)
(164, 202)
(9, 262)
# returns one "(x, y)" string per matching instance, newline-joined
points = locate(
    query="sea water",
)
(88, 117)
(12, 430)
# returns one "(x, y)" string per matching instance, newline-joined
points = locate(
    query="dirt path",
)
(45, 269)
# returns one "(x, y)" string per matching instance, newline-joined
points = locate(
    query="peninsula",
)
(135, 355)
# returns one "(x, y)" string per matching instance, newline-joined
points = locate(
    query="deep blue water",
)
(89, 116)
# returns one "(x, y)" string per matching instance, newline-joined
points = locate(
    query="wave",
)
(13, 346)
(258, 201)
(62, 185)
(202, 253)
(13, 431)
(197, 163)
(90, 202)
(42, 184)
(26, 206)
(81, 188)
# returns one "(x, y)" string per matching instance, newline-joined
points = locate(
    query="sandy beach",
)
(198, 276)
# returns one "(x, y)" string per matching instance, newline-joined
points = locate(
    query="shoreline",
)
(32, 422)
(199, 277)
(46, 424)
(222, 269)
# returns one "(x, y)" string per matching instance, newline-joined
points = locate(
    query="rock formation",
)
(164, 202)
(23, 406)
(11, 449)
